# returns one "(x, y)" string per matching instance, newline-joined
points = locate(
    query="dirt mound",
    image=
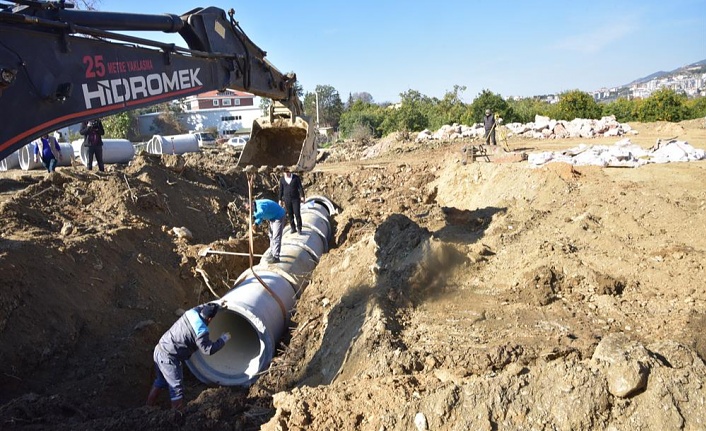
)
(485, 296)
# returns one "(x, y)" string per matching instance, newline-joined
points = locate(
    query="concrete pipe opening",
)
(255, 321)
(239, 360)
(173, 144)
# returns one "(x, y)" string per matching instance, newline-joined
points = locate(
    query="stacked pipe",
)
(10, 162)
(173, 144)
(256, 319)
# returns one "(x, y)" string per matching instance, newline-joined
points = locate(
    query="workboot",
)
(178, 405)
(152, 396)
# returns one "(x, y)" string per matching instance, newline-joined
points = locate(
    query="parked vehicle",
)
(205, 139)
(238, 142)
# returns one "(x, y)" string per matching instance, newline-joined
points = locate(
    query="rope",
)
(205, 279)
(251, 178)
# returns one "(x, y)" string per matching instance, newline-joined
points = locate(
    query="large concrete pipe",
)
(173, 144)
(76, 145)
(10, 162)
(27, 162)
(114, 151)
(257, 318)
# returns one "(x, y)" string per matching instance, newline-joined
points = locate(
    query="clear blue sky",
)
(513, 48)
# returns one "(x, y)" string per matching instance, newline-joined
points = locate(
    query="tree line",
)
(361, 118)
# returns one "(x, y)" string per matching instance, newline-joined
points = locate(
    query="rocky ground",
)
(490, 295)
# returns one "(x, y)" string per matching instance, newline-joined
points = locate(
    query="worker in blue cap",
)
(188, 334)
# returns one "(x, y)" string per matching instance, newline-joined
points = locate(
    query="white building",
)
(230, 112)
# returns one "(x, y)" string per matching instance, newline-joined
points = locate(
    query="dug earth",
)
(487, 296)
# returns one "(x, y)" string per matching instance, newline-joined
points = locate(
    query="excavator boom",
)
(60, 66)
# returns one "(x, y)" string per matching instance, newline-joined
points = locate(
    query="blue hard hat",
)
(209, 311)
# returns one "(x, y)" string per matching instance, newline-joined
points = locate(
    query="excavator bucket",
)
(280, 139)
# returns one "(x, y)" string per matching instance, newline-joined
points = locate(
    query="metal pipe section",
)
(252, 315)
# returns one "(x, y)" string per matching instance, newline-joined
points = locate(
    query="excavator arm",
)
(60, 66)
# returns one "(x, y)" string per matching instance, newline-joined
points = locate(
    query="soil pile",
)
(485, 296)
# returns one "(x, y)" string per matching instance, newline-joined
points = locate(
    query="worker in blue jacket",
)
(188, 334)
(266, 209)
(47, 148)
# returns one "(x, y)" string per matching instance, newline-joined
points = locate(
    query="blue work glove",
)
(225, 337)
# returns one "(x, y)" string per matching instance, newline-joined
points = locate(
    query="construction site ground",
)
(485, 296)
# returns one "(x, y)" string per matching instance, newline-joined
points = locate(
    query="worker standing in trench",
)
(291, 196)
(188, 334)
(266, 209)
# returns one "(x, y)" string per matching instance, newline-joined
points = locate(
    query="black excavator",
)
(60, 66)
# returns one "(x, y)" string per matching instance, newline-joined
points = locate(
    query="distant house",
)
(230, 112)
(219, 99)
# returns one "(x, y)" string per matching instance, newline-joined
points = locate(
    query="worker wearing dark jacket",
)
(188, 334)
(489, 125)
(93, 132)
(291, 194)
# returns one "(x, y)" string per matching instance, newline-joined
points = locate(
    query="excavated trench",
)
(475, 297)
(257, 310)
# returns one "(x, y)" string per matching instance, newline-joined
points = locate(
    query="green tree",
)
(697, 107)
(121, 126)
(448, 110)
(624, 110)
(577, 104)
(488, 100)
(410, 116)
(663, 105)
(330, 106)
(526, 109)
(362, 117)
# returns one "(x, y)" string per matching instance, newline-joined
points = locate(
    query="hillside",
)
(698, 67)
